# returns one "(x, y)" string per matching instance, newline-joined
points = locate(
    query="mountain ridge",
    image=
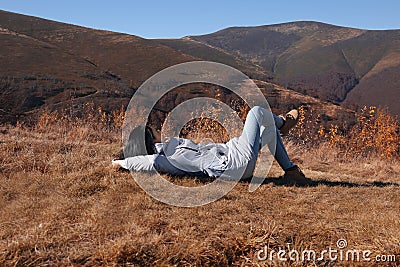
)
(315, 58)
(54, 65)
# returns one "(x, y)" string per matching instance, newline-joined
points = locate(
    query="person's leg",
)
(281, 154)
(258, 131)
(293, 174)
(252, 129)
(259, 120)
(249, 142)
(279, 122)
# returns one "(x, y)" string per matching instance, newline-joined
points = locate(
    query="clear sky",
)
(175, 19)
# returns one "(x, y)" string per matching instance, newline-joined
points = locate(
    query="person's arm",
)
(138, 163)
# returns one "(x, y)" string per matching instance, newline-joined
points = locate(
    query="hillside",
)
(206, 52)
(47, 64)
(321, 60)
(57, 65)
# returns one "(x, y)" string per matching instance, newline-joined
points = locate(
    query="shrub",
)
(374, 133)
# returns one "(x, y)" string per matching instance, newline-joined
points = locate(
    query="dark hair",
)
(136, 146)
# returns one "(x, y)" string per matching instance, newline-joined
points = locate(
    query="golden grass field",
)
(63, 205)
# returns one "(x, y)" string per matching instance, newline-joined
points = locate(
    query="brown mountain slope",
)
(56, 65)
(206, 52)
(380, 85)
(84, 62)
(117, 52)
(321, 60)
(49, 63)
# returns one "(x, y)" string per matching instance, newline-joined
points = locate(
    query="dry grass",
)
(374, 133)
(62, 205)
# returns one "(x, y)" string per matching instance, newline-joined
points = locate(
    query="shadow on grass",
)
(313, 183)
(278, 181)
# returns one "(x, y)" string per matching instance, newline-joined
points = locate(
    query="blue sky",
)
(174, 19)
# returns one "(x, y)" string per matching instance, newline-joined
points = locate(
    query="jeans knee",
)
(259, 112)
(256, 110)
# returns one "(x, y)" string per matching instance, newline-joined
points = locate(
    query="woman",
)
(234, 160)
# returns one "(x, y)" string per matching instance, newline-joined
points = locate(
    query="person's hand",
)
(115, 164)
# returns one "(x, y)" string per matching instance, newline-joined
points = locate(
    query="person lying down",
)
(183, 157)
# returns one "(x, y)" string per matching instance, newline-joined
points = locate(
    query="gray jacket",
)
(191, 158)
(179, 156)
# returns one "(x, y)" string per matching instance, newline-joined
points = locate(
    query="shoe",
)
(290, 120)
(294, 176)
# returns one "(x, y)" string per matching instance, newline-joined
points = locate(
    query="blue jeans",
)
(257, 131)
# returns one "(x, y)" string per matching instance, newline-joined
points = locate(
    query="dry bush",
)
(203, 126)
(375, 133)
(92, 124)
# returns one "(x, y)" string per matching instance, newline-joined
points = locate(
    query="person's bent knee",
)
(258, 111)
(255, 109)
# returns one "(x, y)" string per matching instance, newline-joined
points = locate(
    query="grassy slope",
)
(203, 51)
(52, 63)
(318, 59)
(55, 62)
(63, 66)
(62, 204)
(286, 45)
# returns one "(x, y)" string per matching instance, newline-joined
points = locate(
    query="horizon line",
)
(198, 34)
